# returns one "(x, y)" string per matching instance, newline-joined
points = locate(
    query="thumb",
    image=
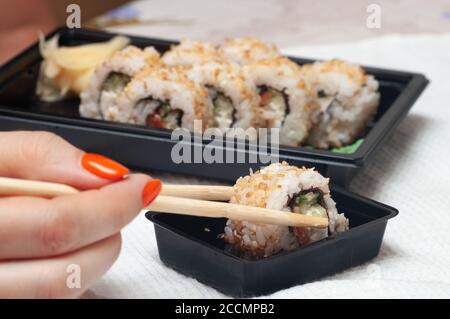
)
(45, 156)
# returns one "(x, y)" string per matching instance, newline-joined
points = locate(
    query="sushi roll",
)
(285, 101)
(233, 95)
(111, 77)
(165, 98)
(286, 188)
(247, 50)
(189, 52)
(348, 100)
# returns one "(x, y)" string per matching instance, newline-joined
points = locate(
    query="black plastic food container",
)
(191, 246)
(147, 148)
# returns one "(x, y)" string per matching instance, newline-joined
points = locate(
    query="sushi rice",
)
(232, 94)
(247, 50)
(285, 102)
(165, 98)
(348, 100)
(111, 77)
(190, 52)
(285, 188)
(242, 83)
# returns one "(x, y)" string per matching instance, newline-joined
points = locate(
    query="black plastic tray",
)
(184, 245)
(147, 148)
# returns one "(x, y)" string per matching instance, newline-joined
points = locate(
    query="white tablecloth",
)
(411, 173)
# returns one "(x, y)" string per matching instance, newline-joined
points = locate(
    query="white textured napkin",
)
(411, 172)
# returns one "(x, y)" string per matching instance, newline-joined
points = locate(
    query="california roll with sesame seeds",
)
(286, 188)
(165, 98)
(348, 99)
(242, 86)
(111, 77)
(285, 102)
(233, 95)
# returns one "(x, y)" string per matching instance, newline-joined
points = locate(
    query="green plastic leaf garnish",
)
(349, 149)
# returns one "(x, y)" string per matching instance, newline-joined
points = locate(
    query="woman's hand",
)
(41, 239)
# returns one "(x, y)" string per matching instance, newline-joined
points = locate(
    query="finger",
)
(66, 276)
(36, 227)
(45, 156)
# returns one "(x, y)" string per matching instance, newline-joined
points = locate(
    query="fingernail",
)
(103, 167)
(151, 190)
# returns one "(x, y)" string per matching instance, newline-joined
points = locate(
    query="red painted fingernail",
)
(151, 190)
(103, 167)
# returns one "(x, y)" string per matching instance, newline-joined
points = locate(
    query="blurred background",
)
(285, 22)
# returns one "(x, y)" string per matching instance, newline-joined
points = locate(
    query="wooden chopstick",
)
(205, 192)
(23, 187)
(188, 202)
(13, 186)
(203, 208)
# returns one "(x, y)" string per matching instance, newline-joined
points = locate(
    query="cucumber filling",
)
(116, 82)
(308, 203)
(165, 117)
